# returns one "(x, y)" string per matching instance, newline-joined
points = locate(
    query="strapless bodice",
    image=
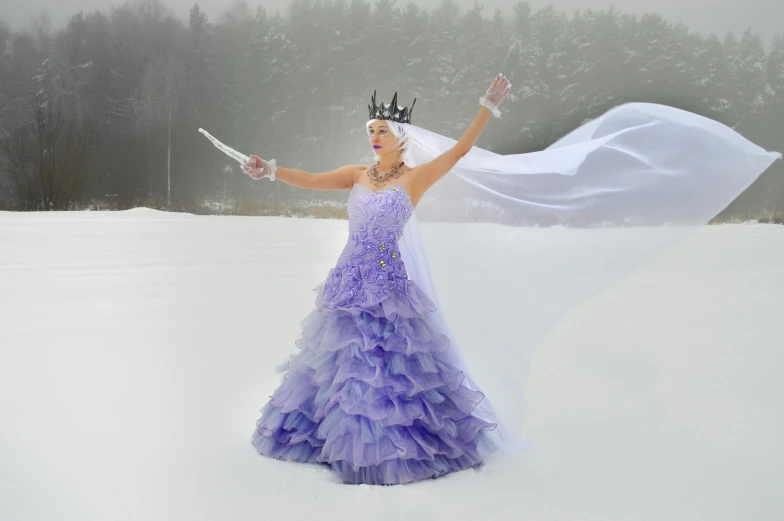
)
(370, 267)
(375, 222)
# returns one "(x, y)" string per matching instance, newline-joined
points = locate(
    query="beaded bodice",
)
(370, 266)
(375, 221)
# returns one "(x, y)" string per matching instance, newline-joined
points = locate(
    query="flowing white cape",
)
(634, 181)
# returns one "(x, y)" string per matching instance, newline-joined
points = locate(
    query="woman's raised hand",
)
(496, 94)
(257, 168)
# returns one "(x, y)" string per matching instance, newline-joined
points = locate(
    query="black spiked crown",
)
(391, 112)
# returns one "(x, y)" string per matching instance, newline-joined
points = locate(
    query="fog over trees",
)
(107, 107)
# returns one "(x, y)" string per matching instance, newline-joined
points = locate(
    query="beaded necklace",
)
(380, 179)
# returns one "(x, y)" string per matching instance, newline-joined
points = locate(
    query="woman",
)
(372, 392)
(379, 390)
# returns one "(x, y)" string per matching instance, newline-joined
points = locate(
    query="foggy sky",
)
(763, 16)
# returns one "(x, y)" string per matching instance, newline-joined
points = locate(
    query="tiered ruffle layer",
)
(373, 396)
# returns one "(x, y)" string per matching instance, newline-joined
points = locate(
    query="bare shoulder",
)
(358, 170)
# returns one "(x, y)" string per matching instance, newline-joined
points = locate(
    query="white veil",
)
(600, 202)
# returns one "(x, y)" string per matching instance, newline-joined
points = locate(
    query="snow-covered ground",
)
(137, 347)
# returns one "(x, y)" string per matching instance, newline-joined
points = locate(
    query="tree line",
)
(107, 107)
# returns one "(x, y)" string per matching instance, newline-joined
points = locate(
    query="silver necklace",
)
(380, 179)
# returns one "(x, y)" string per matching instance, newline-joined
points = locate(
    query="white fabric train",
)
(635, 181)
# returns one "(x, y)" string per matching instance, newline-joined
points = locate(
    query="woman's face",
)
(381, 138)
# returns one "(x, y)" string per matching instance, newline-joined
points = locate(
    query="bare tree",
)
(46, 158)
(157, 98)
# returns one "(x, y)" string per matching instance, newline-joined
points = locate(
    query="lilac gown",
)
(370, 393)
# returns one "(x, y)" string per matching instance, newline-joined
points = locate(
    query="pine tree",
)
(775, 68)
(603, 89)
(440, 84)
(752, 74)
(523, 57)
(569, 66)
(200, 64)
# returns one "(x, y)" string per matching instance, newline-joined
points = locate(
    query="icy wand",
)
(237, 156)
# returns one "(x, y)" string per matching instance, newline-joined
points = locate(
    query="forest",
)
(104, 112)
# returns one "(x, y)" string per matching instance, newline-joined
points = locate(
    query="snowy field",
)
(136, 349)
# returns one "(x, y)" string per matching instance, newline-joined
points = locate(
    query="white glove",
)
(257, 168)
(496, 94)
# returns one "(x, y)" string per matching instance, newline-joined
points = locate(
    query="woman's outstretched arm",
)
(428, 173)
(340, 178)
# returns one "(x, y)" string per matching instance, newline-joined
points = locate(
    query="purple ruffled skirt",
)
(372, 394)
